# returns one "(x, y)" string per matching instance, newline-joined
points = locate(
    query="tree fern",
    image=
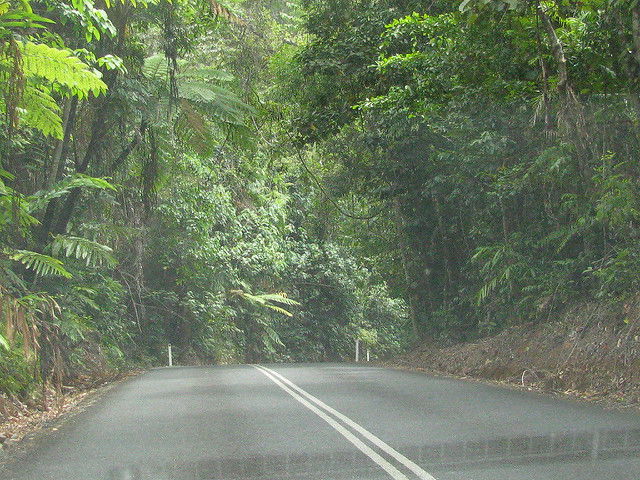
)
(280, 297)
(201, 104)
(207, 74)
(218, 101)
(155, 67)
(271, 339)
(42, 71)
(278, 309)
(194, 129)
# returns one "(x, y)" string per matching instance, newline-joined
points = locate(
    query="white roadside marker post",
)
(357, 350)
(368, 352)
(170, 355)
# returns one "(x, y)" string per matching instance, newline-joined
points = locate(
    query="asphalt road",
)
(328, 421)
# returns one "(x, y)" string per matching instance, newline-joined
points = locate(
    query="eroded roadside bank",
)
(590, 351)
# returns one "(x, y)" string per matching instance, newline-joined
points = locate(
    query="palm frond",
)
(41, 264)
(93, 253)
(15, 210)
(40, 199)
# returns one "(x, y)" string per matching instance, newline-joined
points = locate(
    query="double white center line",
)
(333, 418)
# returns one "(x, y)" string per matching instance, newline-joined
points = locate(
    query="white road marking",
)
(390, 469)
(420, 473)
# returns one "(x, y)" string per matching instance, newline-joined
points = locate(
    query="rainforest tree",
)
(271, 180)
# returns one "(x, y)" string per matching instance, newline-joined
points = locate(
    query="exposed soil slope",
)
(589, 350)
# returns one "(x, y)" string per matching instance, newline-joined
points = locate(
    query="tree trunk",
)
(445, 246)
(413, 294)
(632, 70)
(571, 116)
(57, 159)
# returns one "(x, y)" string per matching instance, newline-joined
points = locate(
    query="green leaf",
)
(93, 253)
(4, 342)
(40, 111)
(43, 265)
(279, 310)
(40, 199)
(58, 66)
(156, 67)
(463, 6)
(279, 298)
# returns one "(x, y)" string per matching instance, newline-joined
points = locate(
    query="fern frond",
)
(194, 129)
(201, 91)
(93, 253)
(221, 11)
(39, 110)
(40, 199)
(266, 299)
(248, 296)
(271, 339)
(279, 310)
(60, 67)
(279, 298)
(220, 102)
(206, 74)
(155, 67)
(42, 265)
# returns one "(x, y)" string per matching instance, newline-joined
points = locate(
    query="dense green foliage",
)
(494, 144)
(150, 195)
(270, 180)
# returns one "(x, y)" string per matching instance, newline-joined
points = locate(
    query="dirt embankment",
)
(590, 350)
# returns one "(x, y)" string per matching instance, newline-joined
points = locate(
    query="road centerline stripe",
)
(416, 469)
(368, 451)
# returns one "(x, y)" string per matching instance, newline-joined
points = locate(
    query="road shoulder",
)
(32, 424)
